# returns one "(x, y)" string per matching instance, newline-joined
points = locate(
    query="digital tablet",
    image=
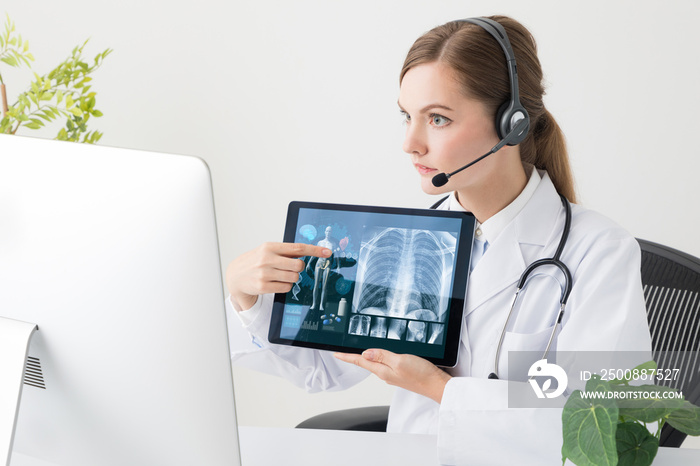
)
(396, 280)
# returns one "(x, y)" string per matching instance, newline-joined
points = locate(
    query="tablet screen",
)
(396, 280)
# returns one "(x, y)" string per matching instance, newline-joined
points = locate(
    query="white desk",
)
(310, 447)
(263, 446)
(306, 447)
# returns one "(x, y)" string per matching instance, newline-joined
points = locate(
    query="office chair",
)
(368, 419)
(671, 280)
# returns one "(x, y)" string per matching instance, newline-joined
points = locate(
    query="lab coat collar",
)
(538, 222)
(504, 262)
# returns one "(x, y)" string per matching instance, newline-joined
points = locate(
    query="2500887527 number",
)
(640, 374)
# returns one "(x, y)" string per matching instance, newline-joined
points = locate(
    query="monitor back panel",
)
(113, 253)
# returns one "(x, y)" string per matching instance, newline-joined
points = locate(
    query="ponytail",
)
(545, 148)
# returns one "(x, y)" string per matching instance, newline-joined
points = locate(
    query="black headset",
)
(512, 120)
(512, 111)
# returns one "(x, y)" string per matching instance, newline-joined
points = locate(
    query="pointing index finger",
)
(301, 249)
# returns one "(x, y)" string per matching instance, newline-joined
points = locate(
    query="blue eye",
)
(439, 120)
(406, 116)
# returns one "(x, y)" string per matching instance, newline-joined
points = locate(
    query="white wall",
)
(297, 101)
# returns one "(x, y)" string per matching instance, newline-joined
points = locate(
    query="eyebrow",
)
(428, 107)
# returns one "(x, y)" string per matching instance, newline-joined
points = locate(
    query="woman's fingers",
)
(403, 370)
(269, 268)
(297, 250)
(377, 368)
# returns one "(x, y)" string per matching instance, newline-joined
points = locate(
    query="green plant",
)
(63, 93)
(607, 425)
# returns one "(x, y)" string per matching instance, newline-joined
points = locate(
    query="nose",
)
(414, 142)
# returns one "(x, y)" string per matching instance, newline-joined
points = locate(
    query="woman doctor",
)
(453, 82)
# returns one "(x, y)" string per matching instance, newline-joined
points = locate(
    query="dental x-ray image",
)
(404, 273)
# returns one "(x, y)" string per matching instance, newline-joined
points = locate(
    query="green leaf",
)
(76, 111)
(589, 426)
(32, 125)
(686, 419)
(635, 445)
(10, 61)
(647, 403)
(97, 113)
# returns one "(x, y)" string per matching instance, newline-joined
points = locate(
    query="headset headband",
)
(497, 31)
(512, 111)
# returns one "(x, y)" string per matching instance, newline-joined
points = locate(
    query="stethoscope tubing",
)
(553, 261)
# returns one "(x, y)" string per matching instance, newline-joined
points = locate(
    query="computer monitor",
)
(113, 253)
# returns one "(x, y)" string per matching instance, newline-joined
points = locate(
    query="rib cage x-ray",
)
(404, 273)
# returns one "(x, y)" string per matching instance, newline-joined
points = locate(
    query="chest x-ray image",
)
(405, 273)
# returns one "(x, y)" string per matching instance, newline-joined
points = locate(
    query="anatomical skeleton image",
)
(322, 269)
(405, 274)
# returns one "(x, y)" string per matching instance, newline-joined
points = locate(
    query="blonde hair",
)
(480, 67)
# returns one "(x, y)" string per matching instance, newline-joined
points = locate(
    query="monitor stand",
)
(15, 336)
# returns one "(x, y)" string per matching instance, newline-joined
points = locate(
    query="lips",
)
(423, 170)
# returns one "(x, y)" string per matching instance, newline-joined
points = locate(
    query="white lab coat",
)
(605, 312)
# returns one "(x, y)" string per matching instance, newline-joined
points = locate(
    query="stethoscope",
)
(555, 261)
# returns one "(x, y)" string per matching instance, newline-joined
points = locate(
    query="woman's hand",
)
(269, 268)
(403, 370)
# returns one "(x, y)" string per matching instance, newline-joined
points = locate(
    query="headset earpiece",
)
(511, 111)
(506, 119)
(502, 125)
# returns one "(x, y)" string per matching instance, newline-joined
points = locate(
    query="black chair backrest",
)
(671, 280)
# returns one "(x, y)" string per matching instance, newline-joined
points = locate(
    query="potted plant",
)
(606, 424)
(63, 93)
